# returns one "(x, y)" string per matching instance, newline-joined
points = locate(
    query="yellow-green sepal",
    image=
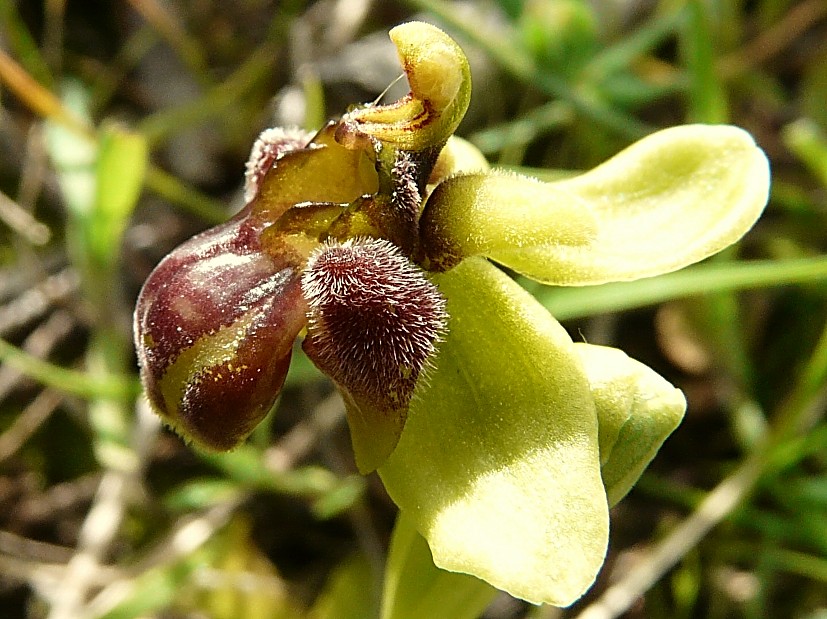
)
(374, 430)
(637, 410)
(672, 199)
(498, 465)
(458, 156)
(667, 201)
(505, 216)
(414, 587)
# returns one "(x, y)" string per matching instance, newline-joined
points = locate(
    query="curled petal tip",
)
(440, 82)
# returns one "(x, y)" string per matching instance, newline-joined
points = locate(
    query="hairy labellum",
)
(373, 318)
(214, 328)
(373, 322)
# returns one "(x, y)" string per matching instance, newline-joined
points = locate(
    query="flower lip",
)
(374, 318)
(374, 321)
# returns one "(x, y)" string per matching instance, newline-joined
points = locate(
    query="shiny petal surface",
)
(672, 199)
(502, 214)
(214, 330)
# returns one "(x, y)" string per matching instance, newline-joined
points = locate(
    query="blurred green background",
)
(124, 129)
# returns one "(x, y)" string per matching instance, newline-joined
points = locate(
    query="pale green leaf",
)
(498, 463)
(637, 410)
(201, 493)
(73, 155)
(121, 165)
(710, 277)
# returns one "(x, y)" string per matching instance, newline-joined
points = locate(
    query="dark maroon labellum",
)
(214, 328)
(374, 321)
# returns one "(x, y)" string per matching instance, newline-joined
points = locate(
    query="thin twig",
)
(39, 343)
(35, 302)
(775, 39)
(98, 530)
(305, 435)
(23, 222)
(43, 576)
(12, 545)
(34, 169)
(57, 499)
(53, 33)
(27, 422)
(102, 523)
(719, 503)
(188, 535)
(173, 32)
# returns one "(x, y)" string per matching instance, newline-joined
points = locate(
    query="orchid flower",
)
(376, 241)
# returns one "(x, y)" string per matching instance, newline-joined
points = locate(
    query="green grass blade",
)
(570, 303)
(66, 380)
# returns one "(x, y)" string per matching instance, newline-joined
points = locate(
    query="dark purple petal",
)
(374, 321)
(214, 329)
